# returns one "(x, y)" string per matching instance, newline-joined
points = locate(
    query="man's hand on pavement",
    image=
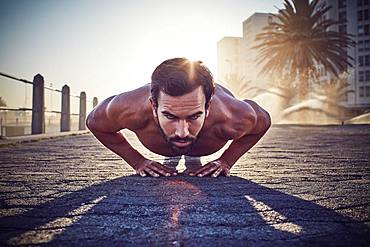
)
(154, 169)
(213, 168)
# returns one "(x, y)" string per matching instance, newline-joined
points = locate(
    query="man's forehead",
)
(182, 106)
(194, 98)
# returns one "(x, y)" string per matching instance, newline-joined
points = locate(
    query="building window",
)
(361, 91)
(367, 75)
(322, 18)
(363, 15)
(360, 30)
(342, 16)
(360, 45)
(367, 45)
(367, 29)
(362, 2)
(366, 14)
(341, 3)
(367, 91)
(359, 15)
(367, 60)
(361, 60)
(361, 76)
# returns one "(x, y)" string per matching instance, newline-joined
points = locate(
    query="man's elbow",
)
(90, 122)
(265, 121)
(247, 124)
(259, 119)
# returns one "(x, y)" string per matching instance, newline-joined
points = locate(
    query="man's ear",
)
(208, 106)
(154, 107)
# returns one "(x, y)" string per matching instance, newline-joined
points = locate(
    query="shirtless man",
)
(182, 112)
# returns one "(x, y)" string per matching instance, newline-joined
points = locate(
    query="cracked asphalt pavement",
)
(299, 186)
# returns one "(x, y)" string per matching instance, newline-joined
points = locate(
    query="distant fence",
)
(14, 127)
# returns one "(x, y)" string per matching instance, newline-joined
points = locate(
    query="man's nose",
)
(182, 129)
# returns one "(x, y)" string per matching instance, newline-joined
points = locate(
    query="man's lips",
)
(182, 144)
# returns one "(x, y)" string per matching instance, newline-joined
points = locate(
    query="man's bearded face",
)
(181, 118)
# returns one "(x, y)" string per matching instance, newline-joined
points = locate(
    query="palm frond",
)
(300, 39)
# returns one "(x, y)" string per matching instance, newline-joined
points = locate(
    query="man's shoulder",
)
(227, 105)
(138, 93)
(231, 115)
(130, 108)
(222, 90)
(231, 105)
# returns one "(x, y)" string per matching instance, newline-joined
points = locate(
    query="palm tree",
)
(240, 87)
(335, 91)
(299, 41)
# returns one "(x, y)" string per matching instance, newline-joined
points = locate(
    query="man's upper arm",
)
(107, 116)
(263, 118)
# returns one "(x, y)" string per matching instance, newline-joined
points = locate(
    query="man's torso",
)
(216, 131)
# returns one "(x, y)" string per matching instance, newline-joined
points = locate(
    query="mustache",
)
(179, 139)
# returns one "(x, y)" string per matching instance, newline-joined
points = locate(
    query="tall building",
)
(236, 55)
(251, 27)
(355, 18)
(229, 57)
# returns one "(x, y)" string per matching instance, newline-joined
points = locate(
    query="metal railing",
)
(38, 109)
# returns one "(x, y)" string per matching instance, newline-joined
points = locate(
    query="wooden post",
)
(65, 119)
(95, 102)
(1, 126)
(38, 104)
(82, 119)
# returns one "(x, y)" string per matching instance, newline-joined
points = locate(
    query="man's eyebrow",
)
(168, 113)
(194, 114)
(197, 113)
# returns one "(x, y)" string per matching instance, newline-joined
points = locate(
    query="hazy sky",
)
(107, 47)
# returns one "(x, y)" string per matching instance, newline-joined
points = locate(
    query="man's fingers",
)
(171, 170)
(215, 168)
(217, 172)
(142, 173)
(207, 171)
(159, 170)
(200, 170)
(227, 172)
(151, 172)
(162, 169)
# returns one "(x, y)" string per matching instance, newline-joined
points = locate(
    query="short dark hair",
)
(179, 76)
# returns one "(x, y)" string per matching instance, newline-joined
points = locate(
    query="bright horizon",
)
(105, 48)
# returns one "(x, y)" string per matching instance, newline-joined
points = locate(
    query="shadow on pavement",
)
(179, 211)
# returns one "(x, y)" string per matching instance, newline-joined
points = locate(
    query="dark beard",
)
(178, 150)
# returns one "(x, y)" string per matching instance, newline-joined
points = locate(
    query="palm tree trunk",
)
(303, 87)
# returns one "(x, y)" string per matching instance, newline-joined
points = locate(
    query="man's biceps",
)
(104, 126)
(263, 122)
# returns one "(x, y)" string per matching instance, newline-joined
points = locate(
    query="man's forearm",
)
(242, 145)
(239, 147)
(119, 145)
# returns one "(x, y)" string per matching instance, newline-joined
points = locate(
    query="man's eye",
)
(169, 117)
(195, 117)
